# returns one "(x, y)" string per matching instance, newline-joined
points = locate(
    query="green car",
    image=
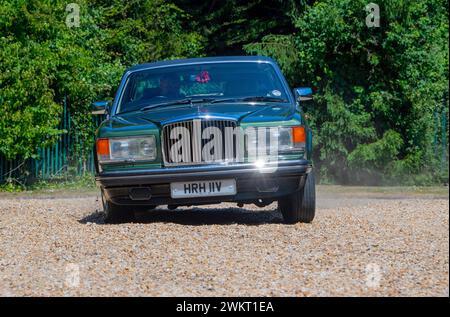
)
(204, 131)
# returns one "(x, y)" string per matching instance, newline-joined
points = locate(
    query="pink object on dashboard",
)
(203, 77)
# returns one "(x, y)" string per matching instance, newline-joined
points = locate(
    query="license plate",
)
(219, 187)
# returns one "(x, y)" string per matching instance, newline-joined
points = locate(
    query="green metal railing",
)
(59, 160)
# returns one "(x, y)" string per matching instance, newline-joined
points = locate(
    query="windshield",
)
(201, 82)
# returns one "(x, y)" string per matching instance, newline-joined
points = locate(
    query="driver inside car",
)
(169, 87)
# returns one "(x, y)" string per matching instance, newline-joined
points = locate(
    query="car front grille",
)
(184, 141)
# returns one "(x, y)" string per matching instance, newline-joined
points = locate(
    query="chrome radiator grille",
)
(183, 142)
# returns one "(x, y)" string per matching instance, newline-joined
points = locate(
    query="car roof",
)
(200, 60)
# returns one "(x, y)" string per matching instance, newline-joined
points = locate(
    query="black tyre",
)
(117, 214)
(301, 205)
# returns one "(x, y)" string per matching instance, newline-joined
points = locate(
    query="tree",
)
(377, 89)
(43, 60)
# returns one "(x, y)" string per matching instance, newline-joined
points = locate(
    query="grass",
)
(77, 185)
(440, 191)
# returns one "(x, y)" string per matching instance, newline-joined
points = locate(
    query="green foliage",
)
(378, 90)
(281, 46)
(11, 187)
(376, 154)
(42, 60)
(228, 25)
(77, 182)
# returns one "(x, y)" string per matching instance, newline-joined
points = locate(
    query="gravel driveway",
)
(361, 243)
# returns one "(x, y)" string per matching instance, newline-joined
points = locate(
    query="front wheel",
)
(115, 214)
(301, 205)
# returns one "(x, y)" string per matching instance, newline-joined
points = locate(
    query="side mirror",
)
(303, 93)
(100, 107)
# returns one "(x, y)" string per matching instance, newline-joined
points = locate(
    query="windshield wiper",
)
(250, 98)
(211, 101)
(263, 98)
(177, 102)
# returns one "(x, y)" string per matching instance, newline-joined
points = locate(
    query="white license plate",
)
(219, 187)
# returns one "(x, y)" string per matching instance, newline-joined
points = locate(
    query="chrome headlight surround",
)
(129, 149)
(290, 139)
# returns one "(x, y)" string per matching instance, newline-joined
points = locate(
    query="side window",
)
(130, 89)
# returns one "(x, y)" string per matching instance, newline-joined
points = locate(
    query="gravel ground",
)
(365, 244)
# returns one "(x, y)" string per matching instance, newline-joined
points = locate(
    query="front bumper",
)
(253, 183)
